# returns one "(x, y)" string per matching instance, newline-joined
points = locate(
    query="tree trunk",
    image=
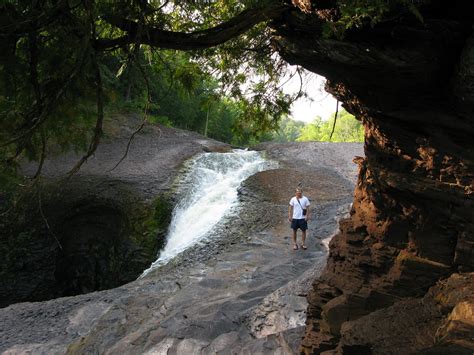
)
(207, 121)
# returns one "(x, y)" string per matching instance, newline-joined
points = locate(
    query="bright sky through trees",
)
(318, 102)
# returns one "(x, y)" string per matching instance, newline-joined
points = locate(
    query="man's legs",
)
(304, 227)
(303, 238)
(295, 246)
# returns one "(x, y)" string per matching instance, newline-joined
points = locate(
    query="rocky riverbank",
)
(101, 228)
(243, 290)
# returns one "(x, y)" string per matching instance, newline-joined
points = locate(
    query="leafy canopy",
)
(347, 129)
(65, 62)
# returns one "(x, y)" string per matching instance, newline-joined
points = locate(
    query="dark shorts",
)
(299, 223)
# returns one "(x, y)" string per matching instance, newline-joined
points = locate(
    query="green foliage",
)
(150, 231)
(288, 131)
(347, 129)
(180, 94)
(162, 120)
(360, 13)
(56, 80)
(312, 131)
(8, 180)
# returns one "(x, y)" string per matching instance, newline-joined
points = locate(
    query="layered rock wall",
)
(411, 222)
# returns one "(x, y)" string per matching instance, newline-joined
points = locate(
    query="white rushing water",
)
(208, 191)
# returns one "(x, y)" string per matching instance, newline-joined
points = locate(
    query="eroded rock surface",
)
(243, 291)
(104, 226)
(410, 83)
(442, 322)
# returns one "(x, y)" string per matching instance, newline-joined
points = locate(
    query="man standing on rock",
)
(298, 215)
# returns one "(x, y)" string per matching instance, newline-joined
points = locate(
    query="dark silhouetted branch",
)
(211, 37)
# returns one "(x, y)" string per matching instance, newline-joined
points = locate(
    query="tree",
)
(60, 57)
(55, 55)
(347, 129)
(53, 68)
(406, 71)
(311, 131)
(288, 130)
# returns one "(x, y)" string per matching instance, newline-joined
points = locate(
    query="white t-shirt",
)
(297, 209)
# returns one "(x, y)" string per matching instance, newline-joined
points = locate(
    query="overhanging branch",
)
(214, 36)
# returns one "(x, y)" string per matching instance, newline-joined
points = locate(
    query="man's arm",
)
(307, 213)
(290, 212)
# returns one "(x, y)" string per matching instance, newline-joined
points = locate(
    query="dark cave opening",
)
(90, 243)
(93, 245)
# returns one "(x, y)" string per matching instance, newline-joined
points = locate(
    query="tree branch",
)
(211, 37)
(99, 123)
(145, 115)
(335, 119)
(48, 103)
(43, 155)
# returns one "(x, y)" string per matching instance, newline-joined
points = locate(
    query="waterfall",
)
(207, 192)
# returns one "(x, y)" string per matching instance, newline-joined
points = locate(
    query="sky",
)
(319, 102)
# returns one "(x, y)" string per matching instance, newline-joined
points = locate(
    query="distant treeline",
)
(346, 129)
(173, 90)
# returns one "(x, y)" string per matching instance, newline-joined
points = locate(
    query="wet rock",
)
(102, 227)
(245, 279)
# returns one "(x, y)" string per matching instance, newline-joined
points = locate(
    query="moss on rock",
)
(88, 235)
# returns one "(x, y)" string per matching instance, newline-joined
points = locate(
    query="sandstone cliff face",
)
(411, 224)
(444, 316)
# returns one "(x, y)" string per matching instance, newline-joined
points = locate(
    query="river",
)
(207, 192)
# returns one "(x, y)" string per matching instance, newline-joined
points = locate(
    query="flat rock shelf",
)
(243, 290)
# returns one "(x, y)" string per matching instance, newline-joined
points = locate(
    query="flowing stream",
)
(207, 191)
